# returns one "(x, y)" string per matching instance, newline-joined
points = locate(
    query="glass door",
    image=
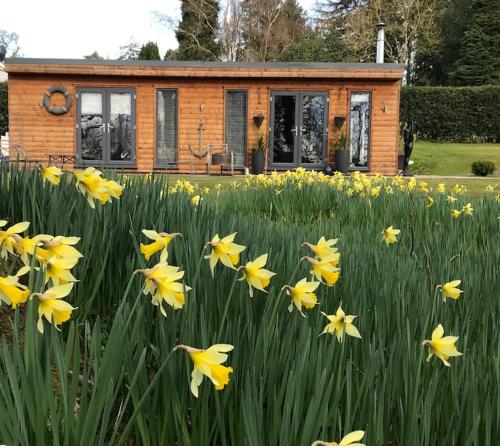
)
(106, 127)
(298, 129)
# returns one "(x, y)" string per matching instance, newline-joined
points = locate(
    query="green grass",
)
(451, 159)
(110, 377)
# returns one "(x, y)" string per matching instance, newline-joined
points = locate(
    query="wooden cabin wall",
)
(41, 133)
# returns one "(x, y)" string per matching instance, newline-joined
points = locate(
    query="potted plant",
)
(258, 155)
(342, 153)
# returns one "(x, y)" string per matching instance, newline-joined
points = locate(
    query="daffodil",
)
(256, 275)
(58, 270)
(451, 290)
(161, 283)
(8, 238)
(160, 243)
(114, 189)
(324, 248)
(209, 363)
(224, 250)
(324, 269)
(389, 235)
(52, 308)
(349, 440)
(468, 209)
(91, 185)
(340, 324)
(451, 199)
(429, 201)
(456, 213)
(59, 246)
(196, 200)
(52, 174)
(441, 188)
(26, 246)
(302, 294)
(442, 347)
(11, 291)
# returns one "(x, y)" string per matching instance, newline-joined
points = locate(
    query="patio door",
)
(299, 130)
(106, 127)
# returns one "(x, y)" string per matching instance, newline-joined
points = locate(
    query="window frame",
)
(369, 160)
(245, 148)
(157, 163)
(106, 161)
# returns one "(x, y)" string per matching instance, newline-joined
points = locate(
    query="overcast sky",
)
(70, 29)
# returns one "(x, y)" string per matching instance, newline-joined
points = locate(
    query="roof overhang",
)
(143, 68)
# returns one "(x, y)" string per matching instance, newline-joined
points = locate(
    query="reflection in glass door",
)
(105, 127)
(298, 129)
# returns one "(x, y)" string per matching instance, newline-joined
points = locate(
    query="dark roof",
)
(197, 64)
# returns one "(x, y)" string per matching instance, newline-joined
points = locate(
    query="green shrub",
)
(483, 168)
(4, 113)
(453, 114)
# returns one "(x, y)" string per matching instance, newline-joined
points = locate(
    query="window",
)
(236, 125)
(359, 130)
(166, 127)
(106, 127)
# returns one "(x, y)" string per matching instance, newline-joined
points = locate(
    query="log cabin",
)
(155, 116)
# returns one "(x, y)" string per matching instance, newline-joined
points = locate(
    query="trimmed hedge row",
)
(4, 115)
(453, 114)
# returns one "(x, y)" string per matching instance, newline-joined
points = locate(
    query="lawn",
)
(451, 159)
(112, 374)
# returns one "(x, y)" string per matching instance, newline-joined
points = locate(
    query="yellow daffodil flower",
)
(349, 440)
(196, 200)
(161, 283)
(340, 324)
(224, 250)
(8, 238)
(441, 189)
(324, 248)
(90, 184)
(451, 290)
(52, 174)
(388, 190)
(456, 213)
(489, 188)
(256, 275)
(114, 189)
(11, 291)
(389, 235)
(324, 269)
(451, 199)
(209, 363)
(302, 294)
(160, 243)
(468, 209)
(429, 202)
(442, 347)
(59, 246)
(52, 308)
(58, 270)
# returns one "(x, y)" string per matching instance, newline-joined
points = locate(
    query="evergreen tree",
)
(94, 56)
(130, 51)
(197, 32)
(479, 54)
(149, 51)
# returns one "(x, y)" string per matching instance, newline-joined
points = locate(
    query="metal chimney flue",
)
(380, 42)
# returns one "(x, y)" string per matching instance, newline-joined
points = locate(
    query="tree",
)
(10, 41)
(270, 28)
(230, 33)
(94, 56)
(478, 60)
(130, 51)
(198, 30)
(412, 26)
(149, 51)
(170, 54)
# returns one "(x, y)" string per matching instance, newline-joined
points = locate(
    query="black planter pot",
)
(342, 160)
(258, 162)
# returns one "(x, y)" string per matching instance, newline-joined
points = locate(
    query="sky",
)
(70, 29)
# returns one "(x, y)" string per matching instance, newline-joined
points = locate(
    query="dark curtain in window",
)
(236, 125)
(166, 127)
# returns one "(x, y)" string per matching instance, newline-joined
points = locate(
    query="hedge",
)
(4, 114)
(453, 114)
